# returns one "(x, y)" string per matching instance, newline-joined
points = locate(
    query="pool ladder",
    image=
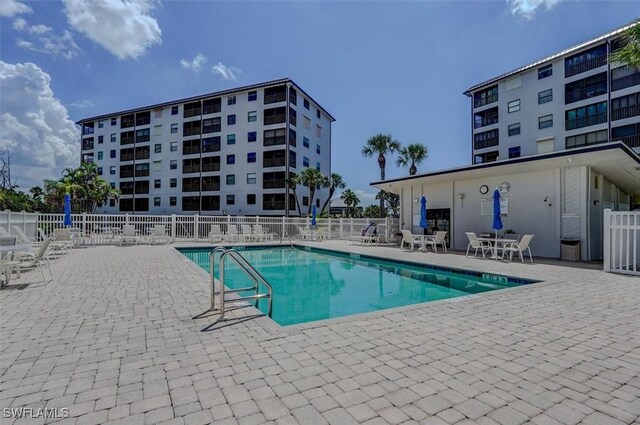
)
(255, 276)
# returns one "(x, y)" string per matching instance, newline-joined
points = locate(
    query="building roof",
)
(206, 96)
(544, 60)
(615, 160)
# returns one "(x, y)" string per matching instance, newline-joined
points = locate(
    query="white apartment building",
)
(571, 99)
(222, 153)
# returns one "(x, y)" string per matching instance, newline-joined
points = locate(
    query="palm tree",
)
(412, 155)
(293, 181)
(381, 144)
(36, 193)
(312, 178)
(335, 182)
(350, 200)
(629, 53)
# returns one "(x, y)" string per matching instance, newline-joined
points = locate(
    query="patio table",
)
(495, 242)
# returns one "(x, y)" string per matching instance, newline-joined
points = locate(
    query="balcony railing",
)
(126, 173)
(191, 169)
(274, 119)
(273, 162)
(485, 100)
(626, 81)
(278, 205)
(128, 190)
(191, 187)
(585, 66)
(625, 112)
(215, 166)
(485, 121)
(87, 130)
(142, 173)
(274, 98)
(191, 131)
(631, 141)
(142, 155)
(586, 121)
(587, 93)
(126, 157)
(143, 138)
(211, 187)
(87, 146)
(486, 143)
(273, 184)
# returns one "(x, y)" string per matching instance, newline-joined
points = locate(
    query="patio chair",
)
(22, 237)
(232, 234)
(258, 229)
(62, 237)
(247, 235)
(369, 236)
(128, 236)
(436, 240)
(381, 234)
(215, 234)
(34, 260)
(477, 245)
(411, 240)
(159, 235)
(322, 233)
(3, 231)
(518, 247)
(305, 232)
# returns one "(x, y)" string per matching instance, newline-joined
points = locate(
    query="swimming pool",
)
(313, 284)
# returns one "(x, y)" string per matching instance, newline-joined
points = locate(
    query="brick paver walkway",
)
(113, 340)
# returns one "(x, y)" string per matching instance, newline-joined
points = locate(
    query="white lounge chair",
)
(22, 237)
(62, 237)
(232, 234)
(477, 245)
(437, 239)
(159, 235)
(247, 234)
(381, 235)
(368, 237)
(215, 234)
(518, 247)
(35, 260)
(305, 232)
(258, 231)
(128, 235)
(411, 240)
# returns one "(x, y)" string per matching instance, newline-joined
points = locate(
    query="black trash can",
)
(570, 249)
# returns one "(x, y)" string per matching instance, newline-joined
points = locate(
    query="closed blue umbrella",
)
(497, 221)
(313, 215)
(423, 212)
(67, 210)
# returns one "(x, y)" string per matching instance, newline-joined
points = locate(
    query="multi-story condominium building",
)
(228, 152)
(571, 99)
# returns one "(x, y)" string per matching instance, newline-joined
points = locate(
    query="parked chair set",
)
(485, 246)
(422, 241)
(247, 234)
(27, 255)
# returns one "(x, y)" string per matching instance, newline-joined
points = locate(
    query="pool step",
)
(247, 289)
(247, 298)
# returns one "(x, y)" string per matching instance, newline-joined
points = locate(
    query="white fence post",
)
(173, 228)
(126, 218)
(84, 223)
(283, 224)
(606, 242)
(195, 227)
(329, 231)
(24, 222)
(8, 212)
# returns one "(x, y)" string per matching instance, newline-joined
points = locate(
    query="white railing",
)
(621, 244)
(196, 228)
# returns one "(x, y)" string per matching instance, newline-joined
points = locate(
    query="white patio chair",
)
(369, 236)
(215, 234)
(22, 237)
(247, 234)
(232, 234)
(62, 237)
(437, 239)
(128, 236)
(159, 235)
(474, 243)
(258, 230)
(322, 233)
(518, 247)
(381, 234)
(3, 231)
(305, 232)
(35, 260)
(411, 240)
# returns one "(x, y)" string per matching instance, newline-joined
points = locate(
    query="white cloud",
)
(84, 103)
(11, 8)
(19, 24)
(194, 64)
(528, 8)
(43, 40)
(35, 125)
(228, 73)
(123, 27)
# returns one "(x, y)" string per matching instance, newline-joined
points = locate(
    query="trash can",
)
(570, 249)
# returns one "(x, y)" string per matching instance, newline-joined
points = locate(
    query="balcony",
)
(210, 187)
(87, 145)
(190, 169)
(273, 205)
(626, 81)
(273, 184)
(485, 118)
(586, 65)
(208, 167)
(87, 130)
(126, 157)
(631, 141)
(126, 173)
(194, 187)
(587, 93)
(625, 112)
(273, 162)
(274, 119)
(586, 121)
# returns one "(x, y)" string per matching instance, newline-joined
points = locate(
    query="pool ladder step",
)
(255, 276)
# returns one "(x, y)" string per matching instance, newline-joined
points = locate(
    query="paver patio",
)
(113, 340)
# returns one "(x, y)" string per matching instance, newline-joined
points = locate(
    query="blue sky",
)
(390, 67)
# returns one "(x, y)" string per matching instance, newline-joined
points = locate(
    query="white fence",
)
(27, 222)
(195, 228)
(621, 244)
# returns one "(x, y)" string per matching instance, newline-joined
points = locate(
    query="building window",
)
(625, 107)
(157, 184)
(157, 130)
(174, 110)
(251, 157)
(545, 71)
(486, 139)
(112, 153)
(251, 199)
(305, 201)
(112, 202)
(156, 201)
(231, 139)
(252, 95)
(305, 161)
(514, 129)
(231, 179)
(545, 96)
(545, 122)
(231, 199)
(485, 97)
(252, 136)
(231, 100)
(318, 149)
(305, 103)
(174, 128)
(252, 116)
(231, 119)
(157, 148)
(293, 96)
(485, 157)
(113, 137)
(514, 152)
(211, 125)
(585, 88)
(587, 139)
(100, 139)
(157, 166)
(318, 113)
(293, 137)
(231, 159)
(173, 201)
(251, 178)
(158, 113)
(114, 121)
(100, 155)
(318, 131)
(318, 203)
(305, 142)
(513, 106)
(173, 147)
(585, 116)
(173, 182)
(318, 166)
(306, 122)
(99, 171)
(585, 61)
(100, 124)
(173, 164)
(112, 170)
(486, 117)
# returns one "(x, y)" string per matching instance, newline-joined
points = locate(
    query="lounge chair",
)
(128, 236)
(322, 233)
(57, 247)
(159, 235)
(411, 240)
(247, 234)
(518, 247)
(215, 234)
(35, 260)
(232, 234)
(22, 237)
(258, 231)
(437, 239)
(62, 237)
(477, 245)
(368, 237)
(305, 232)
(381, 235)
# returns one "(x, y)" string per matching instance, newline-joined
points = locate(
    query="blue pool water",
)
(312, 284)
